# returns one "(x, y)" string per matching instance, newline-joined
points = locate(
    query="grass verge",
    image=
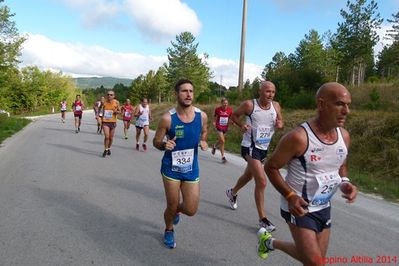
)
(11, 125)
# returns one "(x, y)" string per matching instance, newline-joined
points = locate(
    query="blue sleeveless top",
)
(182, 162)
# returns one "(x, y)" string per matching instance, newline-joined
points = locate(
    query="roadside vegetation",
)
(10, 125)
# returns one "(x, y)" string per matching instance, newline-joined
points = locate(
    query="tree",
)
(10, 41)
(393, 34)
(388, 58)
(10, 45)
(356, 37)
(310, 61)
(184, 63)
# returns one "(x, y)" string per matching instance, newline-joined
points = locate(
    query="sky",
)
(126, 38)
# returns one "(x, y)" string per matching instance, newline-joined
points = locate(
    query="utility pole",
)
(242, 51)
(220, 86)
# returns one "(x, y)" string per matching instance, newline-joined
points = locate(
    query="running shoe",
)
(169, 239)
(78, 128)
(137, 146)
(108, 152)
(213, 149)
(105, 153)
(144, 146)
(76, 131)
(176, 220)
(224, 160)
(263, 238)
(126, 137)
(232, 199)
(265, 223)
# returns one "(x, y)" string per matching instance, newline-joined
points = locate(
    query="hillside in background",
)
(106, 82)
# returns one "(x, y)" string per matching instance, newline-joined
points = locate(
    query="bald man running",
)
(315, 155)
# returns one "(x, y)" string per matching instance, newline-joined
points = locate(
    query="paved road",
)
(61, 203)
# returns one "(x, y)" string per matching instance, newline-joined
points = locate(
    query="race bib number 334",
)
(182, 161)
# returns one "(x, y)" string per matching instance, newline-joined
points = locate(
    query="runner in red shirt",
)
(78, 107)
(127, 111)
(221, 123)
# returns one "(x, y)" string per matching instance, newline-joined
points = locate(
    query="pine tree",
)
(184, 63)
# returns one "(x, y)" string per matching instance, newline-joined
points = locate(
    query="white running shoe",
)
(265, 223)
(232, 199)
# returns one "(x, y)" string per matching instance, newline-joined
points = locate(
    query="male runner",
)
(185, 127)
(63, 107)
(222, 116)
(263, 115)
(127, 111)
(315, 154)
(78, 107)
(143, 115)
(111, 110)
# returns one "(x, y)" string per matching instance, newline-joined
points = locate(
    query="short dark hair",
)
(181, 82)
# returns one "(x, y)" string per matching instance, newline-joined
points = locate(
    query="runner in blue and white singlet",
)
(181, 163)
(179, 133)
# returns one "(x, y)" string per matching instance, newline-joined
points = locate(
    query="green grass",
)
(373, 155)
(11, 125)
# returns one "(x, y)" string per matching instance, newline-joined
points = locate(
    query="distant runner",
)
(221, 122)
(127, 111)
(63, 107)
(98, 112)
(111, 110)
(78, 107)
(143, 115)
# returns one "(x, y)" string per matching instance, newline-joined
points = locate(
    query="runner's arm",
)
(245, 108)
(160, 133)
(204, 132)
(279, 120)
(349, 191)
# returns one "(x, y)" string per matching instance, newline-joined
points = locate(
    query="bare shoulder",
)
(345, 135)
(295, 140)
(276, 104)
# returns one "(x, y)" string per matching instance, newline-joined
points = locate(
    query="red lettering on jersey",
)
(314, 158)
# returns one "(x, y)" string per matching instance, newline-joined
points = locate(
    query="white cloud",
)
(162, 20)
(78, 59)
(156, 20)
(226, 71)
(81, 60)
(94, 12)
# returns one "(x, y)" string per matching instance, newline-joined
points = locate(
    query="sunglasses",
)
(110, 94)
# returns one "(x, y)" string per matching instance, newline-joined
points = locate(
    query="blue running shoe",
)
(176, 220)
(169, 239)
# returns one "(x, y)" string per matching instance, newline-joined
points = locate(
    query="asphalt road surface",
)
(61, 203)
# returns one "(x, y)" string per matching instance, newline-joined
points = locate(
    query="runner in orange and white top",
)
(143, 115)
(63, 107)
(127, 111)
(78, 107)
(111, 110)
